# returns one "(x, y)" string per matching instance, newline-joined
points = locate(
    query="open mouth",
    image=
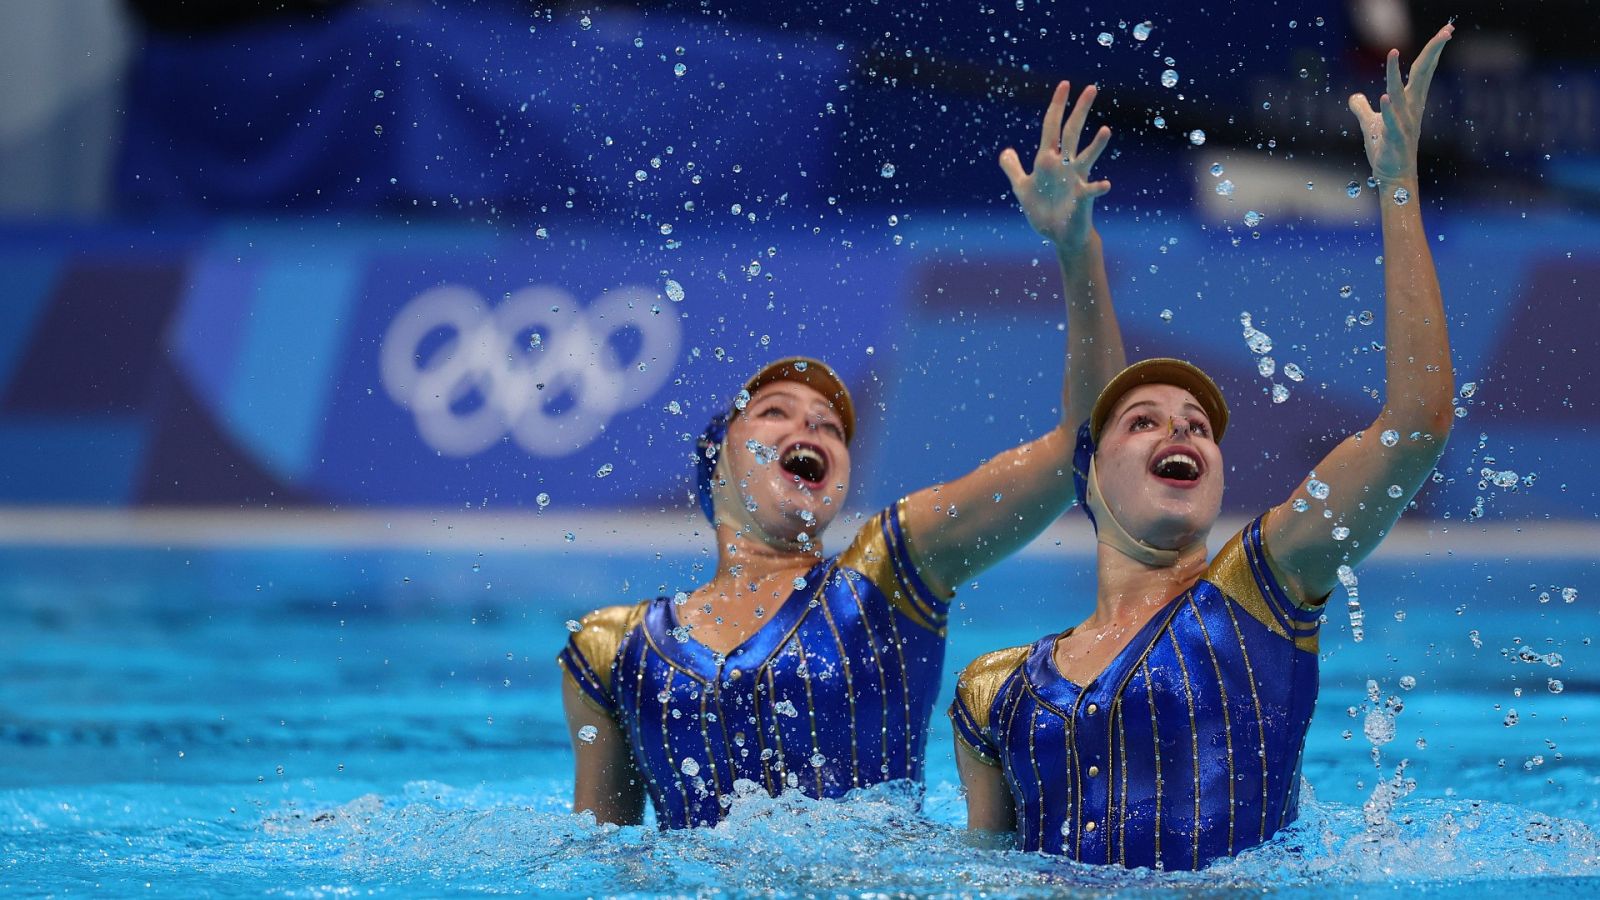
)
(1177, 466)
(805, 462)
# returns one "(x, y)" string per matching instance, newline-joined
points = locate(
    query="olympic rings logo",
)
(537, 367)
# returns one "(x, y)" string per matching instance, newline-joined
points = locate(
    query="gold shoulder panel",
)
(981, 680)
(889, 569)
(602, 634)
(1233, 571)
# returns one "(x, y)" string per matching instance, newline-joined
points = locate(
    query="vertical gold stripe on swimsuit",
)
(1074, 811)
(1227, 720)
(850, 694)
(1194, 742)
(777, 727)
(811, 711)
(1038, 791)
(905, 691)
(727, 742)
(638, 724)
(1122, 765)
(1113, 720)
(1155, 740)
(877, 663)
(666, 746)
(711, 753)
(1261, 726)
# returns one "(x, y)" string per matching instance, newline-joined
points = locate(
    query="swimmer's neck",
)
(757, 557)
(1128, 591)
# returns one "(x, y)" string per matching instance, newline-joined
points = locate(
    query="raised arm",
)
(1009, 499)
(1373, 474)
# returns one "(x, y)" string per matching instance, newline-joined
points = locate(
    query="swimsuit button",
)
(734, 674)
(1089, 827)
(1093, 709)
(1094, 771)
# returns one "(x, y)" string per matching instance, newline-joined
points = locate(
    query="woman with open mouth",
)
(1166, 729)
(793, 668)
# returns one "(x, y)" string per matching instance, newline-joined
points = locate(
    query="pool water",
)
(330, 722)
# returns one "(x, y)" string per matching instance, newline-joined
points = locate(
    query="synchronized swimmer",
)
(1165, 729)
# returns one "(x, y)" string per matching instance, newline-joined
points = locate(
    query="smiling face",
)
(796, 472)
(1158, 467)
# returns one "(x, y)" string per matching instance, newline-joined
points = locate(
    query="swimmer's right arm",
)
(991, 811)
(607, 782)
(1009, 499)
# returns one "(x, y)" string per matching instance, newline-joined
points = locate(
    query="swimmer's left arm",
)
(965, 526)
(1373, 474)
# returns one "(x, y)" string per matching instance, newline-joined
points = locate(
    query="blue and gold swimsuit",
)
(1185, 749)
(832, 693)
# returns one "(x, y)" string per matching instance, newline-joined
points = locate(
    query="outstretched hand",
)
(1390, 137)
(1058, 197)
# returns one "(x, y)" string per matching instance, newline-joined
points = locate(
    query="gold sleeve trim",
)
(1232, 572)
(602, 634)
(980, 682)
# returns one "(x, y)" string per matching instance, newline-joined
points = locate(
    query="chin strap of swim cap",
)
(1107, 529)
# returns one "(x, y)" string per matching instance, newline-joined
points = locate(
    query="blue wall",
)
(243, 363)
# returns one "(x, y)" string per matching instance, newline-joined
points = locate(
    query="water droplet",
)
(574, 626)
(1569, 594)
(1468, 389)
(887, 171)
(543, 499)
(1225, 187)
(1511, 718)
(1280, 394)
(588, 733)
(1104, 39)
(1345, 292)
(1169, 78)
(1407, 682)
(1395, 491)
(1300, 504)
(377, 95)
(1216, 169)
(1366, 317)
(1253, 218)
(536, 341)
(1401, 196)
(1266, 366)
(674, 291)
(818, 760)
(1340, 532)
(1555, 685)
(799, 583)
(678, 69)
(1159, 122)
(741, 400)
(1318, 489)
(1389, 438)
(638, 42)
(1293, 372)
(377, 130)
(1166, 315)
(604, 470)
(1353, 189)
(689, 767)
(585, 23)
(1141, 31)
(569, 537)
(1197, 137)
(640, 175)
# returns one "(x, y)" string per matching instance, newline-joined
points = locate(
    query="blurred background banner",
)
(352, 255)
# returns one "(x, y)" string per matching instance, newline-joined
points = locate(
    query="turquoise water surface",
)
(336, 722)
